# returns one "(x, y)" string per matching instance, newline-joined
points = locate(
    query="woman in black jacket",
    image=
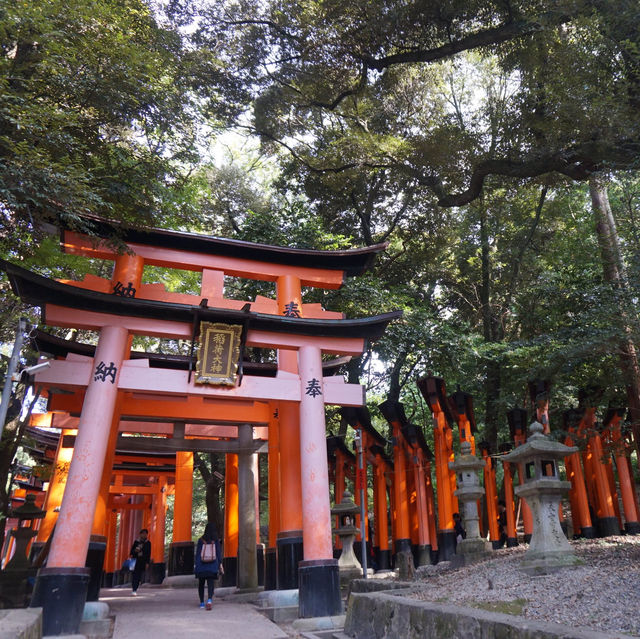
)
(208, 570)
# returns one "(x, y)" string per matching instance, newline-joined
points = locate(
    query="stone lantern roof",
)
(539, 445)
(28, 510)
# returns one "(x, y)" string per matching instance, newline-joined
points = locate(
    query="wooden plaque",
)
(218, 354)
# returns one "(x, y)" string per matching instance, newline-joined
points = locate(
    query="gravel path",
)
(602, 594)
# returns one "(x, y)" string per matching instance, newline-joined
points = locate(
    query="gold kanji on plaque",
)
(218, 354)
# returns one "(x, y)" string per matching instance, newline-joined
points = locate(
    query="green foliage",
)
(98, 112)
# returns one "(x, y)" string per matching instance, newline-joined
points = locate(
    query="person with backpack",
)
(208, 562)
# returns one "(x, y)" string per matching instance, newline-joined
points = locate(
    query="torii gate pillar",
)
(319, 581)
(65, 579)
(247, 558)
(181, 549)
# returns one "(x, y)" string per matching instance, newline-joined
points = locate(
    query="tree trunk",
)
(614, 273)
(213, 484)
(490, 330)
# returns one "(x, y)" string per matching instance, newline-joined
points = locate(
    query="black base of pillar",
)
(383, 560)
(61, 593)
(402, 545)
(95, 561)
(632, 528)
(260, 556)
(512, 542)
(319, 588)
(181, 558)
(588, 532)
(421, 555)
(230, 577)
(270, 569)
(497, 544)
(157, 572)
(108, 579)
(527, 539)
(289, 555)
(446, 544)
(607, 526)
(435, 556)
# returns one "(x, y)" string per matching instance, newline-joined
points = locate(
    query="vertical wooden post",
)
(247, 563)
(56, 484)
(231, 523)
(273, 472)
(318, 572)
(289, 297)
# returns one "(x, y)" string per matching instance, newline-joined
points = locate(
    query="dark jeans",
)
(209, 581)
(136, 577)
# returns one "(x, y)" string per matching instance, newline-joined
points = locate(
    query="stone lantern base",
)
(471, 551)
(547, 562)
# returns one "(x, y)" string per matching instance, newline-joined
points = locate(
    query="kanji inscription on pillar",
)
(219, 354)
(313, 388)
(124, 291)
(103, 372)
(291, 310)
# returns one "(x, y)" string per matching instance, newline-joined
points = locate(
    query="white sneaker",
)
(134, 593)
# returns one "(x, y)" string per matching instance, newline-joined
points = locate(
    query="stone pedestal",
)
(549, 549)
(348, 565)
(467, 466)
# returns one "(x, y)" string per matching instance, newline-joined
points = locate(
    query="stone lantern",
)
(16, 580)
(549, 549)
(467, 467)
(348, 564)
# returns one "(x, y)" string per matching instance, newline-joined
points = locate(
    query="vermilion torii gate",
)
(123, 306)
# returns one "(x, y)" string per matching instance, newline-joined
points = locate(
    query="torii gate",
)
(120, 314)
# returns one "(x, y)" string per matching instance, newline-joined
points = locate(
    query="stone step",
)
(21, 623)
(97, 628)
(279, 614)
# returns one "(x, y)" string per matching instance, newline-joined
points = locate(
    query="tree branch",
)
(496, 35)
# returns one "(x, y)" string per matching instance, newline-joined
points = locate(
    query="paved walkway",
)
(173, 613)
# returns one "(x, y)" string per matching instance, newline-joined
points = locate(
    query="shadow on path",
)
(174, 613)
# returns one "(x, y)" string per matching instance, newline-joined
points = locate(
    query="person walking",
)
(141, 554)
(208, 563)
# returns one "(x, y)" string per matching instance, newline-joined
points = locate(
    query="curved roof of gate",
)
(38, 290)
(352, 261)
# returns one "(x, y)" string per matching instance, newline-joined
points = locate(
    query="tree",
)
(572, 67)
(99, 111)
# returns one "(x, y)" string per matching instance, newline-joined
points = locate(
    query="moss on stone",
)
(514, 607)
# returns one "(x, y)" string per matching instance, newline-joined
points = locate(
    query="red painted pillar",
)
(73, 530)
(273, 473)
(629, 505)
(512, 536)
(491, 496)
(231, 524)
(382, 526)
(401, 491)
(56, 485)
(424, 533)
(290, 552)
(183, 505)
(318, 572)
(580, 514)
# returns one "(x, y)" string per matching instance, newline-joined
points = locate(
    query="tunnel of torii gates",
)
(99, 407)
(287, 412)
